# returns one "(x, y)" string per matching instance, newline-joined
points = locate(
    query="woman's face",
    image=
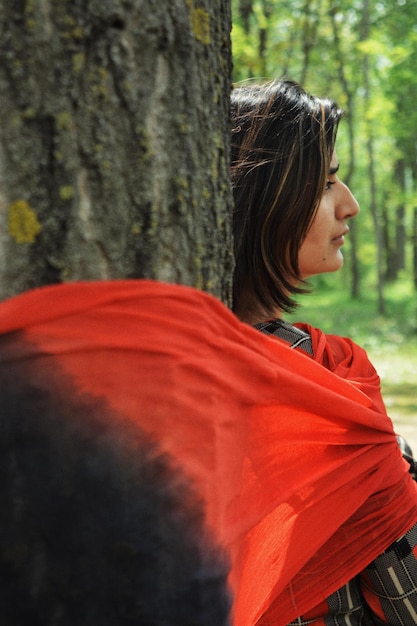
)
(321, 249)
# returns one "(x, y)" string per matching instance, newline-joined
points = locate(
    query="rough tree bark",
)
(114, 142)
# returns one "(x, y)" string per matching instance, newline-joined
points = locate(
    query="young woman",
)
(291, 217)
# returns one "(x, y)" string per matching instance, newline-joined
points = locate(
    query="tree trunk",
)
(414, 244)
(396, 249)
(266, 9)
(370, 146)
(114, 142)
(246, 12)
(310, 23)
(348, 175)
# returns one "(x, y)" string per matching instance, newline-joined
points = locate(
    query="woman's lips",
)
(339, 240)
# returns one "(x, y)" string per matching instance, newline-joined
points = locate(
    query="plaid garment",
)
(296, 337)
(386, 591)
(344, 607)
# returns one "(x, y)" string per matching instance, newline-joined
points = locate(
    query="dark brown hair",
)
(282, 144)
(98, 523)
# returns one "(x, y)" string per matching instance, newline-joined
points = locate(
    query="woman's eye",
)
(329, 184)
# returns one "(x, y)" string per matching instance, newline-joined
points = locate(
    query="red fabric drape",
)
(348, 360)
(299, 468)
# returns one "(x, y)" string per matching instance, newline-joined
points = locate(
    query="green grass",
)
(330, 307)
(390, 340)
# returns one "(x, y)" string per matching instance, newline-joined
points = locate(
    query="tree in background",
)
(114, 142)
(400, 36)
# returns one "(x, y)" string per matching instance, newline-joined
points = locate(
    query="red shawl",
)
(298, 466)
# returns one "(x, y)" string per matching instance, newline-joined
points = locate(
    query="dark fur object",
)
(97, 527)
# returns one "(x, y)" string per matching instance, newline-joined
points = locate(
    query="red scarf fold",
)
(348, 360)
(297, 464)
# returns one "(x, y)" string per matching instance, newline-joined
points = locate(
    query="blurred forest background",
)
(363, 54)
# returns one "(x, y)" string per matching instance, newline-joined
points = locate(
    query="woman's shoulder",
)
(335, 350)
(297, 338)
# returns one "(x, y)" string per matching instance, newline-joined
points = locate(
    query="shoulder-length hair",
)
(282, 144)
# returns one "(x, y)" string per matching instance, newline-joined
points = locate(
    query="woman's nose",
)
(349, 206)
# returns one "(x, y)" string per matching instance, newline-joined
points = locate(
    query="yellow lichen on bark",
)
(200, 23)
(200, 20)
(23, 223)
(66, 192)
